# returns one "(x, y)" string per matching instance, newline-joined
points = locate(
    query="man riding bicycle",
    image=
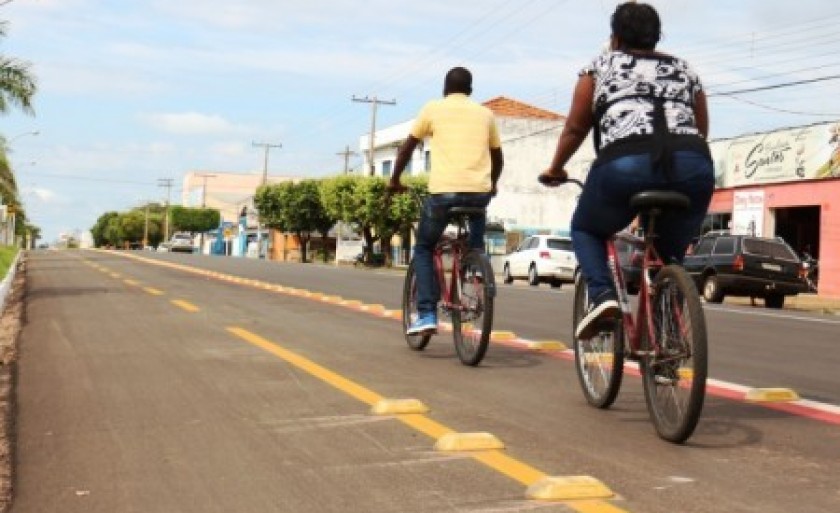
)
(650, 124)
(466, 165)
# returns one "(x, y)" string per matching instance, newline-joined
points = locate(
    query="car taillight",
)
(803, 271)
(545, 254)
(738, 263)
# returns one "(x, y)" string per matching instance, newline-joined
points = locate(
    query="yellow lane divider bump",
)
(331, 299)
(771, 395)
(568, 488)
(153, 291)
(131, 282)
(116, 275)
(468, 442)
(399, 407)
(315, 295)
(185, 305)
(393, 314)
(353, 303)
(502, 335)
(546, 345)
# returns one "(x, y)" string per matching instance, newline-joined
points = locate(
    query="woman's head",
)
(635, 26)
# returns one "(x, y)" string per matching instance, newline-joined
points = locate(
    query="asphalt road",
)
(151, 388)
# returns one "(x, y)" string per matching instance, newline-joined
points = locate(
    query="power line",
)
(775, 86)
(374, 102)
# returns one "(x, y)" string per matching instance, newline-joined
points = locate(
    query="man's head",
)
(635, 26)
(458, 80)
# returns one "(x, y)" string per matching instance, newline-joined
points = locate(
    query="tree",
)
(99, 231)
(361, 202)
(195, 220)
(17, 84)
(295, 208)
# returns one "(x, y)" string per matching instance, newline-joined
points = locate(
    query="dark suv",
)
(741, 265)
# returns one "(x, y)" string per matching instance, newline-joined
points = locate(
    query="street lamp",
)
(18, 136)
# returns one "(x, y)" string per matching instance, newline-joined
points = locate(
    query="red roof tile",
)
(507, 107)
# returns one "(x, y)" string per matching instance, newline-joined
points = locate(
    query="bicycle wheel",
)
(674, 375)
(472, 309)
(599, 361)
(409, 310)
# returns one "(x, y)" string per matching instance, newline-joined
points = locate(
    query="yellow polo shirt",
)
(462, 133)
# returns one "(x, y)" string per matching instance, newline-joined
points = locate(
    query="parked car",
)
(723, 264)
(541, 258)
(181, 242)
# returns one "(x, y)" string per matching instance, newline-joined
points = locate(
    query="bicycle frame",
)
(455, 245)
(634, 326)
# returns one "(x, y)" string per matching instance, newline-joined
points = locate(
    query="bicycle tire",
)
(472, 307)
(674, 376)
(409, 310)
(599, 361)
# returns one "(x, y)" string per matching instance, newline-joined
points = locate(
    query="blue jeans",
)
(433, 221)
(604, 209)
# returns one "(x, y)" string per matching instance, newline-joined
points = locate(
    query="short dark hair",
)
(636, 25)
(458, 80)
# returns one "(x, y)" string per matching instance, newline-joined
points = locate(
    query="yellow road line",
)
(185, 305)
(495, 459)
(345, 385)
(153, 291)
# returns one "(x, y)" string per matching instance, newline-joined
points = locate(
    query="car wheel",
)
(508, 278)
(533, 277)
(774, 301)
(711, 290)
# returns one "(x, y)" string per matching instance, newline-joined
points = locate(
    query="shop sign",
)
(804, 153)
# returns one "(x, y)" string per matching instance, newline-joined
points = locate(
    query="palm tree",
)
(17, 84)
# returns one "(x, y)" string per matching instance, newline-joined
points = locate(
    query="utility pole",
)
(205, 176)
(374, 103)
(166, 182)
(265, 147)
(347, 153)
(146, 228)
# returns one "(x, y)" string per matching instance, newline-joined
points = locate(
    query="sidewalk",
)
(802, 302)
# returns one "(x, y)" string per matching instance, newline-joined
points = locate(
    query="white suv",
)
(542, 258)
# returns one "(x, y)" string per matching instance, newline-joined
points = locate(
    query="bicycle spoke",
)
(675, 374)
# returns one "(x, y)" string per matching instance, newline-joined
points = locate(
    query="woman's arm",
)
(577, 125)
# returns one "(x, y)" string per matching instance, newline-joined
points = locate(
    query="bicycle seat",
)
(663, 200)
(466, 211)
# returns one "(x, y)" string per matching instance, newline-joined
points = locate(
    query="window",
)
(704, 247)
(428, 157)
(564, 245)
(724, 246)
(769, 248)
(386, 168)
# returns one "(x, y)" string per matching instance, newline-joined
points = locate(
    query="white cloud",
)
(191, 123)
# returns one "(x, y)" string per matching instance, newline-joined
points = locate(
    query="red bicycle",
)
(667, 334)
(467, 291)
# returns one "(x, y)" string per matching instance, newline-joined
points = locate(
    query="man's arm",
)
(497, 162)
(403, 156)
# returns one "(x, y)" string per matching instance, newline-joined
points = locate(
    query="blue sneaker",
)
(426, 324)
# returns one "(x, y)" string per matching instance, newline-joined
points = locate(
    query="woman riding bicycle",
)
(466, 165)
(650, 121)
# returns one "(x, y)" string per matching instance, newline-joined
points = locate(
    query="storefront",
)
(784, 183)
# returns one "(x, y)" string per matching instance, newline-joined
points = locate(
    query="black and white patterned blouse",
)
(625, 86)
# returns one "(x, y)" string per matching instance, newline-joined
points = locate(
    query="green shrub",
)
(7, 256)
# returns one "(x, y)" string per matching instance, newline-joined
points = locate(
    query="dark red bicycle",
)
(667, 334)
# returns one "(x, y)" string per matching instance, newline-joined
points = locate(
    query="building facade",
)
(781, 183)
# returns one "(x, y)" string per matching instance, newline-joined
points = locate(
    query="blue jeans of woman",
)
(604, 209)
(433, 221)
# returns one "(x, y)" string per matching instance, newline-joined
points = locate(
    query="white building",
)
(529, 136)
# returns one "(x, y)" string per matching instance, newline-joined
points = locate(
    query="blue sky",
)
(131, 92)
